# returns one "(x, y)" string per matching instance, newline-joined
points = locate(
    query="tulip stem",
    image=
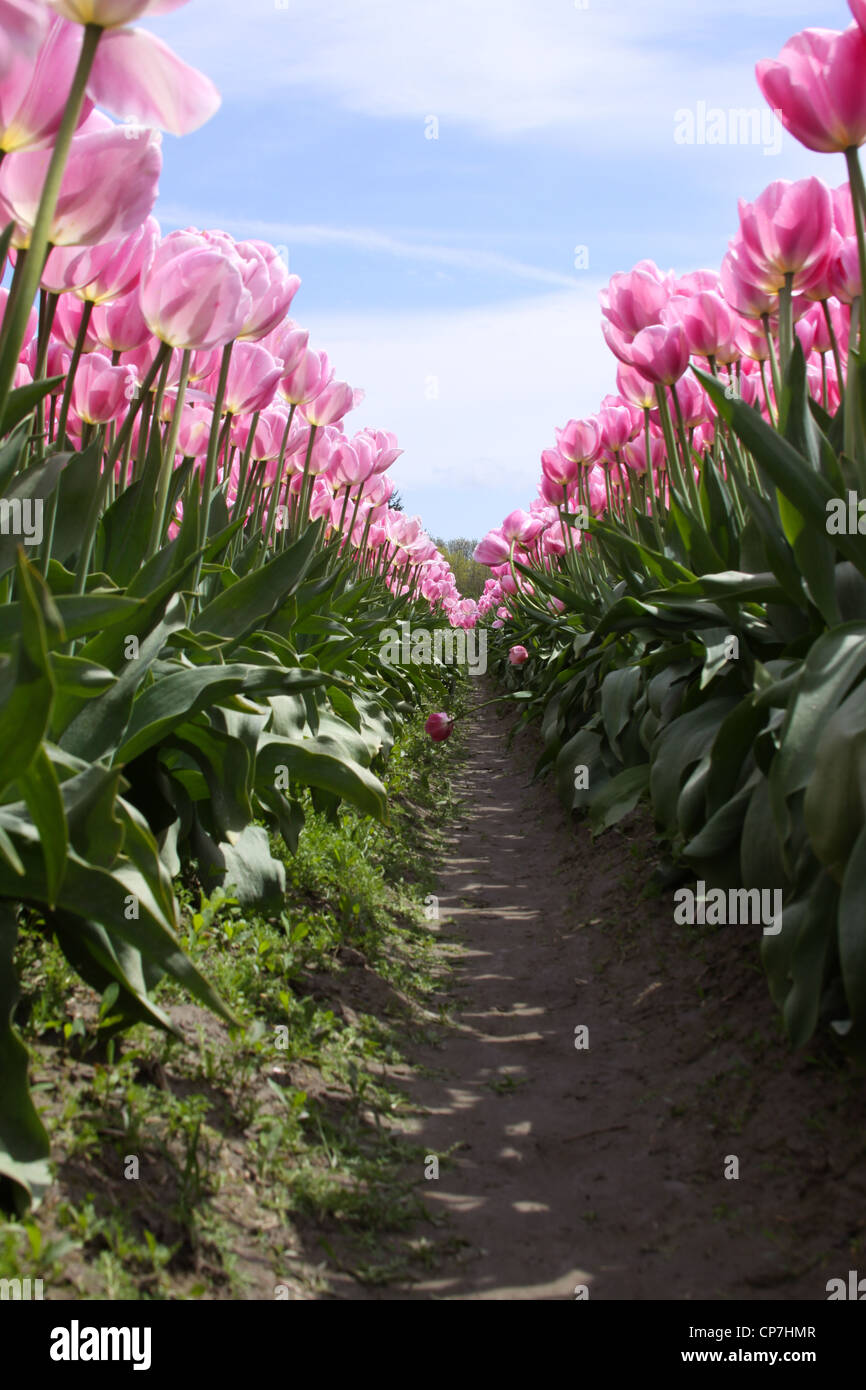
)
(691, 485)
(47, 309)
(143, 432)
(355, 510)
(512, 695)
(858, 200)
(567, 537)
(18, 309)
(306, 487)
(363, 547)
(834, 342)
(674, 469)
(80, 340)
(166, 466)
(774, 360)
(212, 450)
(786, 321)
(770, 411)
(101, 490)
(655, 494)
(243, 469)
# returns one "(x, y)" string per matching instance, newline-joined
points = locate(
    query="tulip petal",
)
(22, 29)
(136, 76)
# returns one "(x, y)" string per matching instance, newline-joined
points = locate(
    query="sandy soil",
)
(603, 1166)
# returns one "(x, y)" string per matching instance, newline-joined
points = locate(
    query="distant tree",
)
(469, 575)
(395, 501)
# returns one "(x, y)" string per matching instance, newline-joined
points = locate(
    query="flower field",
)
(230, 711)
(191, 641)
(686, 597)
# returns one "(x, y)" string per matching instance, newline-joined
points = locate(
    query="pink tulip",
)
(549, 489)
(105, 272)
(618, 422)
(320, 500)
(697, 281)
(194, 431)
(135, 75)
(377, 490)
(330, 405)
(634, 300)
(817, 87)
(32, 321)
(364, 449)
(268, 436)
(693, 400)
(805, 330)
(23, 24)
(33, 97)
(635, 454)
(521, 526)
(752, 340)
(119, 325)
(492, 550)
(708, 323)
(67, 322)
(634, 387)
(252, 379)
(304, 380)
(840, 318)
(192, 294)
(558, 470)
(741, 283)
(67, 268)
(787, 229)
(271, 288)
(388, 450)
(57, 361)
(101, 392)
(597, 490)
(703, 436)
(204, 363)
(578, 441)
(845, 273)
(346, 468)
(118, 265)
(439, 726)
(287, 343)
(109, 14)
(518, 656)
(109, 186)
(661, 353)
(141, 359)
(296, 451)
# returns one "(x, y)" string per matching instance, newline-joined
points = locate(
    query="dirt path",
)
(604, 1165)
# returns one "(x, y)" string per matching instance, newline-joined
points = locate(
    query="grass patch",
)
(226, 1163)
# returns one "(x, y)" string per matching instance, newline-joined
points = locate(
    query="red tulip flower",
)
(439, 726)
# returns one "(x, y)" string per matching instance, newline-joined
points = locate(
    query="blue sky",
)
(440, 274)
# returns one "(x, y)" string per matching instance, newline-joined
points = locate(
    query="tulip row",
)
(686, 598)
(189, 652)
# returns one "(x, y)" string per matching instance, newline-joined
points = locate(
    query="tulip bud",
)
(439, 726)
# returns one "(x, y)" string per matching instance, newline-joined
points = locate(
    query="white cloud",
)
(473, 395)
(500, 66)
(364, 239)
